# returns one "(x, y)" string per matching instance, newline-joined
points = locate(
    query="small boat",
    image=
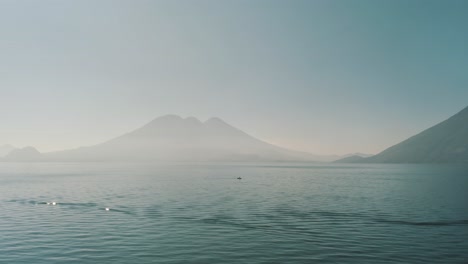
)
(239, 178)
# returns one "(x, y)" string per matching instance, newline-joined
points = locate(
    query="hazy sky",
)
(319, 76)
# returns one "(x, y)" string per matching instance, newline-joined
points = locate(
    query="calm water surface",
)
(200, 213)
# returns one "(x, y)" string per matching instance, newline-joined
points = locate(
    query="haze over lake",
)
(218, 131)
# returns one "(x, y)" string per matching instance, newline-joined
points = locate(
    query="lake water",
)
(201, 213)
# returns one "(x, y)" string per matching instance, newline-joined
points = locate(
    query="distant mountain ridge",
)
(351, 159)
(446, 142)
(24, 154)
(173, 138)
(5, 149)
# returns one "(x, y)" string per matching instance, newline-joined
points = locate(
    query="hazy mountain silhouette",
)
(446, 142)
(351, 159)
(172, 138)
(23, 154)
(5, 149)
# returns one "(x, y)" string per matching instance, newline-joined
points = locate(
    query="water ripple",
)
(276, 214)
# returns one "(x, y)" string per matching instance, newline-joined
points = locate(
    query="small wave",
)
(119, 211)
(346, 216)
(229, 222)
(88, 205)
(22, 201)
(425, 223)
(69, 205)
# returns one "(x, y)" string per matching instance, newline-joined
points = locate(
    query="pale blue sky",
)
(319, 76)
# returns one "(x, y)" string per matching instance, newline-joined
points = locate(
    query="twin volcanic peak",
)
(172, 138)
